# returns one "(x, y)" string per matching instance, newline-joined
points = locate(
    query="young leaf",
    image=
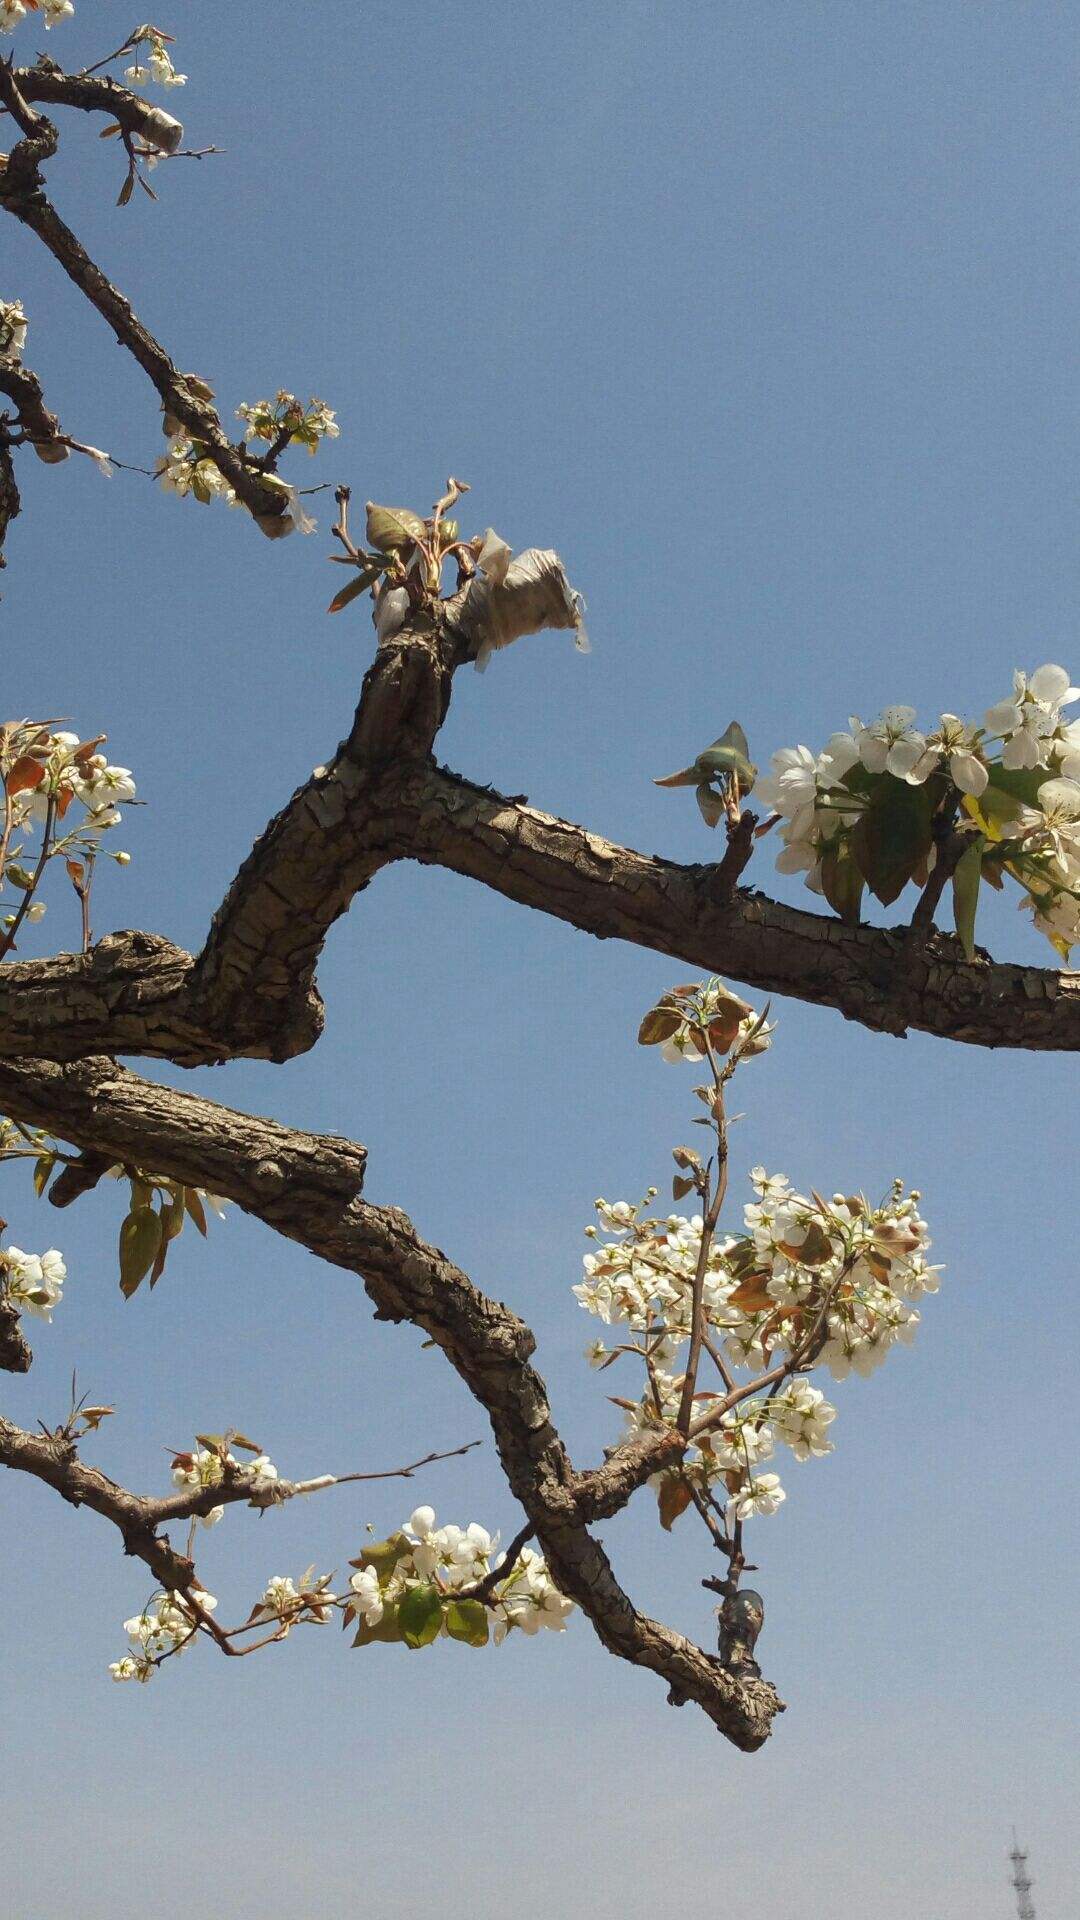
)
(710, 805)
(687, 777)
(384, 1555)
(420, 1616)
(26, 774)
(386, 1629)
(965, 888)
(467, 1620)
(172, 1216)
(842, 884)
(392, 527)
(195, 1207)
(140, 1238)
(354, 588)
(673, 1498)
(891, 836)
(43, 1167)
(728, 757)
(659, 1024)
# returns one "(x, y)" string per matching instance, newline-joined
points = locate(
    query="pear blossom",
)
(1028, 722)
(891, 744)
(13, 321)
(762, 1495)
(958, 745)
(34, 1280)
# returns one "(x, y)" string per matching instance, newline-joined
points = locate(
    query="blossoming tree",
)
(728, 1330)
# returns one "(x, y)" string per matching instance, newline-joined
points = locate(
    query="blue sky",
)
(766, 319)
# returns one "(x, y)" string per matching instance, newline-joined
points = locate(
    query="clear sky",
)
(766, 318)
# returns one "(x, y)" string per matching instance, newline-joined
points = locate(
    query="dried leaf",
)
(673, 1498)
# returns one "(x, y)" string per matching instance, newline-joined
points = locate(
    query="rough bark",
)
(307, 1187)
(888, 979)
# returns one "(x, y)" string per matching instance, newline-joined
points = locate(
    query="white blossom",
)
(13, 321)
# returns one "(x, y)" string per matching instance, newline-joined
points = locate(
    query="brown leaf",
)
(658, 1025)
(673, 1498)
(752, 1295)
(25, 775)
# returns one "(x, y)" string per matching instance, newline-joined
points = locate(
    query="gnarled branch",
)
(307, 1188)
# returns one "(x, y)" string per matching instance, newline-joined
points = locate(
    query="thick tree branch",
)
(870, 974)
(331, 838)
(132, 993)
(307, 1188)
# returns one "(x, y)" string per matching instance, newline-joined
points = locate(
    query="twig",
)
(484, 1588)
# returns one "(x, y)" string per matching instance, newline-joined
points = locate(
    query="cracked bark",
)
(307, 1188)
(251, 991)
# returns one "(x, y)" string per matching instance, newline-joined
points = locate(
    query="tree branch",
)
(306, 1187)
(22, 193)
(870, 974)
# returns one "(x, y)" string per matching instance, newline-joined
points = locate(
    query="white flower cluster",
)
(288, 1603)
(268, 420)
(814, 1281)
(1029, 825)
(447, 1559)
(34, 1282)
(13, 325)
(44, 766)
(43, 770)
(158, 67)
(187, 467)
(51, 11)
(166, 1625)
(207, 1466)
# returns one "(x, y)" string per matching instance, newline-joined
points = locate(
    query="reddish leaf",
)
(673, 1499)
(25, 775)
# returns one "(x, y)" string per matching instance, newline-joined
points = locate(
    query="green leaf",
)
(140, 1239)
(158, 1267)
(687, 777)
(710, 804)
(842, 884)
(892, 836)
(42, 1169)
(391, 527)
(172, 1216)
(354, 588)
(420, 1616)
(386, 1629)
(468, 1620)
(384, 1555)
(1021, 783)
(965, 889)
(728, 757)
